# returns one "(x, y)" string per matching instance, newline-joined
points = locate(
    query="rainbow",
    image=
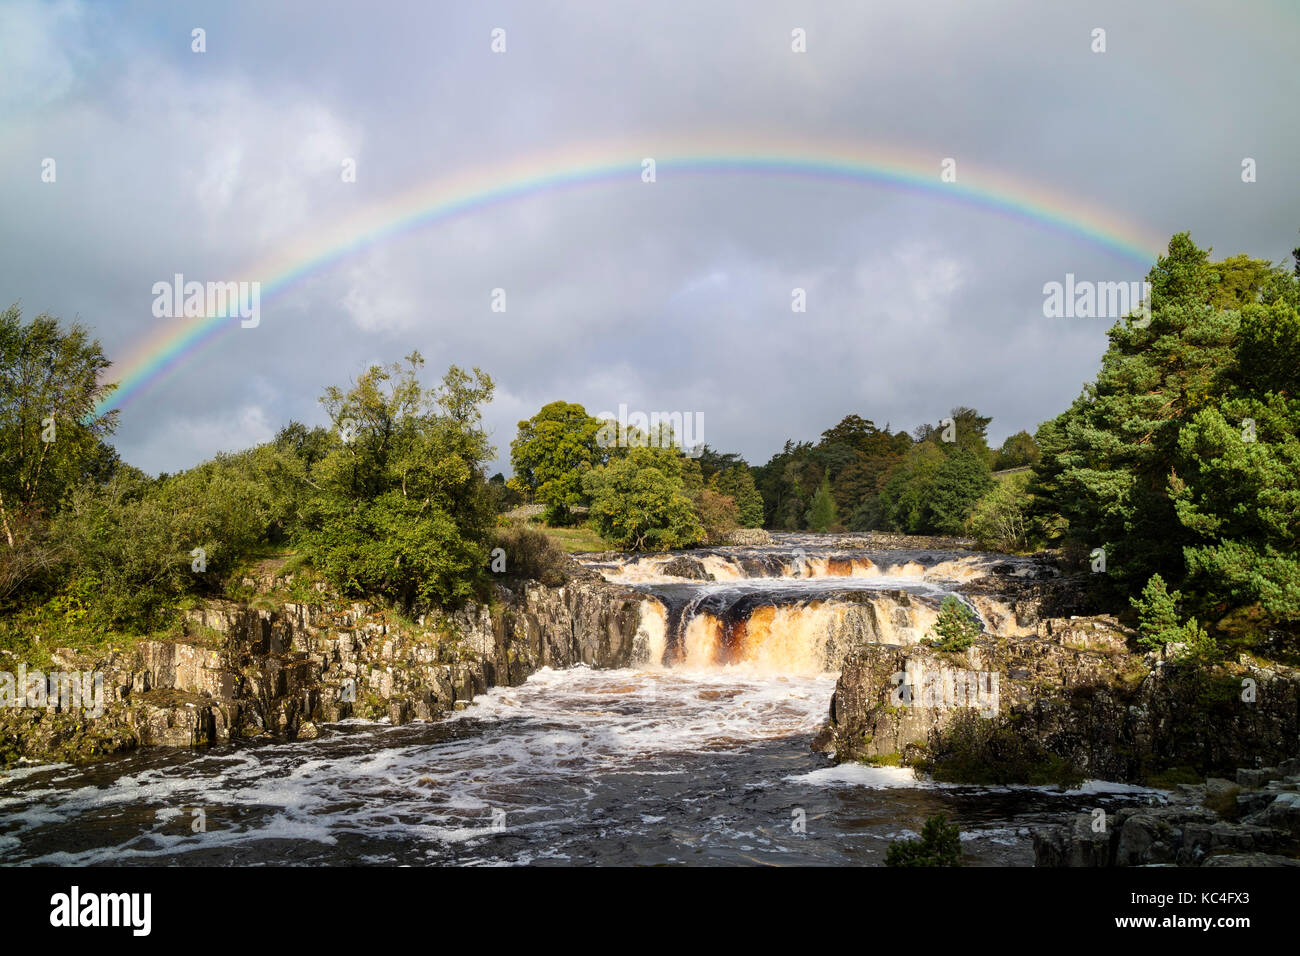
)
(154, 357)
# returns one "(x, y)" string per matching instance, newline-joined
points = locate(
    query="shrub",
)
(940, 845)
(410, 552)
(992, 751)
(530, 553)
(718, 515)
(999, 520)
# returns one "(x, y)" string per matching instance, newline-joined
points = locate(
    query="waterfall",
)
(794, 610)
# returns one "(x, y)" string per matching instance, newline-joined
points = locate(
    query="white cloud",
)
(43, 46)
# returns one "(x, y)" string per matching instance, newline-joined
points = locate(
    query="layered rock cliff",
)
(1077, 687)
(272, 668)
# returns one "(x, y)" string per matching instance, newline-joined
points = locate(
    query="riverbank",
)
(275, 666)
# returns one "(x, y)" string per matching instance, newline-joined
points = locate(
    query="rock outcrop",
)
(1253, 822)
(1074, 686)
(278, 669)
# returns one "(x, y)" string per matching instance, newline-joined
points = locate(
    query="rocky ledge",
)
(1075, 688)
(1074, 695)
(277, 669)
(1254, 821)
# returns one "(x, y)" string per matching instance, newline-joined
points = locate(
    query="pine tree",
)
(821, 514)
(1182, 460)
(956, 627)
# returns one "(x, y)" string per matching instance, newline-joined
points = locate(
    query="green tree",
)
(904, 501)
(717, 514)
(1107, 461)
(821, 513)
(1018, 450)
(737, 483)
(403, 509)
(713, 461)
(308, 445)
(1000, 518)
(1238, 281)
(551, 454)
(639, 501)
(1180, 460)
(1157, 611)
(940, 845)
(1159, 625)
(1236, 482)
(51, 438)
(960, 481)
(956, 627)
(966, 430)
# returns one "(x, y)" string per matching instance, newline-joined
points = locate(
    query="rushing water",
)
(576, 766)
(651, 765)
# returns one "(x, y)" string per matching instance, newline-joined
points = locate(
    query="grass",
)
(576, 539)
(884, 760)
(32, 638)
(31, 634)
(1224, 803)
(1171, 777)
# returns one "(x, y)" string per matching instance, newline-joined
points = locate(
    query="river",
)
(700, 756)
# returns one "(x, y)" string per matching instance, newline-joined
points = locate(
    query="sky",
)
(672, 295)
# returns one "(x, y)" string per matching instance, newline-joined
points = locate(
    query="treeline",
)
(389, 502)
(640, 491)
(862, 478)
(635, 486)
(1175, 474)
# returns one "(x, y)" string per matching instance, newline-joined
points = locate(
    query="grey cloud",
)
(674, 296)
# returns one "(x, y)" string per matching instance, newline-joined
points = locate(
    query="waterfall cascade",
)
(793, 610)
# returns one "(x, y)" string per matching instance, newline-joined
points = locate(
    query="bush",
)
(32, 565)
(410, 552)
(532, 554)
(993, 751)
(129, 547)
(718, 515)
(940, 845)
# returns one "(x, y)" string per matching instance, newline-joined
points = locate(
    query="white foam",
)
(863, 775)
